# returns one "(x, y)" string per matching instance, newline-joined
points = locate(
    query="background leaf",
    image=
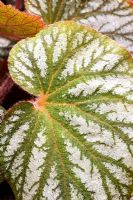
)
(5, 47)
(114, 18)
(16, 25)
(73, 141)
(6, 192)
(19, 4)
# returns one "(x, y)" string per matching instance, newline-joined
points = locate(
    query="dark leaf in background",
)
(6, 82)
(6, 192)
(16, 3)
(16, 94)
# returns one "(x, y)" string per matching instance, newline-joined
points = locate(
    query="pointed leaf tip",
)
(16, 25)
(76, 144)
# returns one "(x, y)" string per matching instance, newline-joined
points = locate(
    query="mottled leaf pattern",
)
(17, 25)
(114, 18)
(2, 112)
(74, 142)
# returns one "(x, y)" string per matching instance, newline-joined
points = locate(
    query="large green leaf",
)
(112, 17)
(74, 141)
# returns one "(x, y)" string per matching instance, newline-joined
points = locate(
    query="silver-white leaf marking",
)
(51, 190)
(93, 182)
(40, 57)
(35, 169)
(119, 85)
(17, 139)
(60, 46)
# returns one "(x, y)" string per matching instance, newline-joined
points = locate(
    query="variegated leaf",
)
(114, 18)
(74, 141)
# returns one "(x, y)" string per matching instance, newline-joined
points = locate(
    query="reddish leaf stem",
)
(18, 4)
(5, 87)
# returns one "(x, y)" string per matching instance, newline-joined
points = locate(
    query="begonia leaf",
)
(74, 141)
(111, 17)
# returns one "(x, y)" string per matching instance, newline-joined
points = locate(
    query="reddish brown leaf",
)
(130, 2)
(16, 25)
